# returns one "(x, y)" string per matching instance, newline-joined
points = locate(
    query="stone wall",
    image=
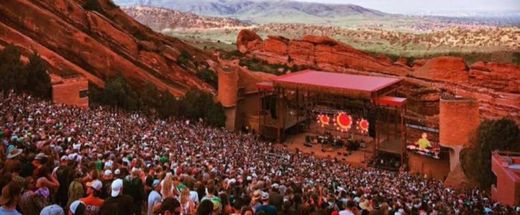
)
(228, 87)
(458, 122)
(70, 91)
(423, 165)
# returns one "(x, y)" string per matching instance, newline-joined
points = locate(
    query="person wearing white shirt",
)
(154, 197)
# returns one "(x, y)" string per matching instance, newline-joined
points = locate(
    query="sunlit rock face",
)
(99, 44)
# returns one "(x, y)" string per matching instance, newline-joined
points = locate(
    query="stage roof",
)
(337, 83)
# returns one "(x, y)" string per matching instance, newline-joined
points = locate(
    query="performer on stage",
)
(424, 143)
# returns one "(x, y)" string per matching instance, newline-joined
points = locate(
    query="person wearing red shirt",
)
(92, 201)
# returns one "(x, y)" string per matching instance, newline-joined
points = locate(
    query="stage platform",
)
(356, 158)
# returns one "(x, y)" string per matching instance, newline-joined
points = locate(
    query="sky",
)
(432, 6)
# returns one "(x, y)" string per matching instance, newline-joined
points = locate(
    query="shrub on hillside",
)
(92, 5)
(209, 76)
(195, 105)
(184, 58)
(516, 58)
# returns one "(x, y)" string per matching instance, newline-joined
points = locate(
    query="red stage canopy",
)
(360, 85)
(391, 101)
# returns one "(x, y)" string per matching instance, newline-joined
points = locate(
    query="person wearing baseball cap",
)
(117, 203)
(92, 201)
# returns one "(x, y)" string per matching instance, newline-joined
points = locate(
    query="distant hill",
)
(263, 11)
(162, 18)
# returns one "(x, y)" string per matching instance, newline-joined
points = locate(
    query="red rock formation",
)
(313, 51)
(247, 40)
(98, 44)
(451, 69)
(502, 77)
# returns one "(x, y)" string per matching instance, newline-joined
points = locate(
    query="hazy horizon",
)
(437, 7)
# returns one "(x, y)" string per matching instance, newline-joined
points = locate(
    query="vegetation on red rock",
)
(30, 78)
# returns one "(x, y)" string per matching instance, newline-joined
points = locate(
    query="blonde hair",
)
(167, 186)
(185, 195)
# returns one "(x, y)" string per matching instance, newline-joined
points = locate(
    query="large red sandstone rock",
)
(301, 52)
(100, 25)
(246, 40)
(502, 77)
(98, 45)
(450, 69)
(314, 51)
(56, 61)
(319, 40)
(276, 45)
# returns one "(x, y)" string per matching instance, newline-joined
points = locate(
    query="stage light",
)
(363, 125)
(343, 121)
(323, 120)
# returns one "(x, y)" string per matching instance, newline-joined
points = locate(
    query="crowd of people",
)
(59, 159)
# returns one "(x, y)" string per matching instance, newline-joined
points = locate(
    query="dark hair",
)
(351, 204)
(205, 207)
(10, 191)
(170, 204)
(245, 209)
(42, 172)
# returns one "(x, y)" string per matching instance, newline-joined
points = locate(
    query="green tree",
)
(502, 134)
(92, 5)
(12, 74)
(215, 115)
(184, 58)
(150, 96)
(194, 105)
(38, 80)
(198, 104)
(516, 58)
(169, 106)
(209, 76)
(118, 93)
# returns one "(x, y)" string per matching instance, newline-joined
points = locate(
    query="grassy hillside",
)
(486, 44)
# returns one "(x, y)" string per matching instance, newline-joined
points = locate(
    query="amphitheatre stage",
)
(355, 158)
(333, 110)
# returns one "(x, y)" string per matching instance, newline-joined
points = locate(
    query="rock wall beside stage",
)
(459, 120)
